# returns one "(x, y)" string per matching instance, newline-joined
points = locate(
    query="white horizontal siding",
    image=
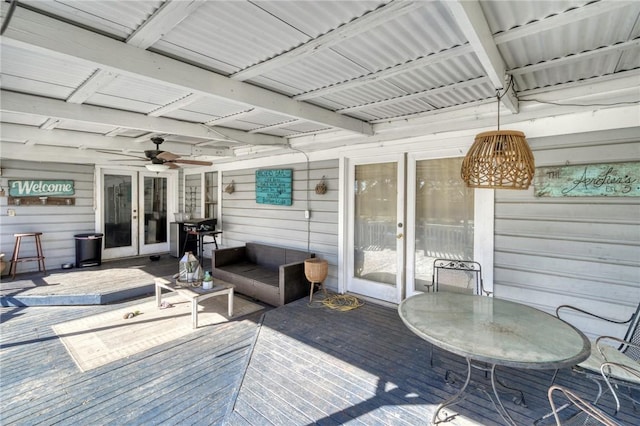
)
(58, 224)
(582, 251)
(244, 220)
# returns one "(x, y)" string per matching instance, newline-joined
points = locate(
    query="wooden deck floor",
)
(293, 365)
(112, 281)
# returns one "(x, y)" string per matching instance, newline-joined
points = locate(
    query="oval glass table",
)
(494, 332)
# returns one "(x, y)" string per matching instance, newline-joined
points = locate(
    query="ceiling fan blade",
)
(172, 166)
(167, 156)
(194, 162)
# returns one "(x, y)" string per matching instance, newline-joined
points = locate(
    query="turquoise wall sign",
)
(40, 187)
(273, 186)
(591, 180)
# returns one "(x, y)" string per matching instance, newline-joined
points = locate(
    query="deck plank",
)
(169, 381)
(293, 365)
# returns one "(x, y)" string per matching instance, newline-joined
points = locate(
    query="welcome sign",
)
(39, 188)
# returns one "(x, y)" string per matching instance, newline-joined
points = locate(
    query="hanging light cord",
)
(7, 18)
(499, 96)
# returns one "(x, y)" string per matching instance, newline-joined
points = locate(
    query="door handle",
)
(400, 235)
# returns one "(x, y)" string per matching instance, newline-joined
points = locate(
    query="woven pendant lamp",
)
(499, 159)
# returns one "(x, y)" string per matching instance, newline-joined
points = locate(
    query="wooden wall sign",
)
(591, 180)
(273, 186)
(40, 188)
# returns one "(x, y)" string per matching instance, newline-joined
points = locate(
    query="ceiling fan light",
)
(157, 167)
(499, 159)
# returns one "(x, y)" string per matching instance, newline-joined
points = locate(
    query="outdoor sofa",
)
(271, 274)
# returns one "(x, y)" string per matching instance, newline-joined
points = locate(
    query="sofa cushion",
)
(269, 257)
(291, 255)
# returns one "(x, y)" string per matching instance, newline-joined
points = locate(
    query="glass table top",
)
(493, 330)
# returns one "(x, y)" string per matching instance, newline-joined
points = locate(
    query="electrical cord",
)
(7, 18)
(580, 105)
(338, 302)
(308, 199)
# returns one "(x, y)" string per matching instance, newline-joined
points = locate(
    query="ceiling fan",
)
(165, 160)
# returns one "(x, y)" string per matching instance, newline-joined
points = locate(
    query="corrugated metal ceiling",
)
(366, 60)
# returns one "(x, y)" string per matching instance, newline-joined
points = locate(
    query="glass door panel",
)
(154, 213)
(376, 240)
(375, 217)
(119, 214)
(444, 217)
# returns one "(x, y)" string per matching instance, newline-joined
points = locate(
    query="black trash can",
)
(88, 249)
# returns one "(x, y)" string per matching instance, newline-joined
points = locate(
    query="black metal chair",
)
(578, 411)
(462, 276)
(618, 365)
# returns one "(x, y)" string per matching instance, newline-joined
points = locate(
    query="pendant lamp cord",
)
(499, 96)
(7, 18)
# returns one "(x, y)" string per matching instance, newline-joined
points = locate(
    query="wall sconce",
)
(321, 187)
(229, 189)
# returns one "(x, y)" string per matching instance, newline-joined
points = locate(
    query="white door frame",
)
(137, 204)
(171, 208)
(483, 219)
(385, 292)
(483, 232)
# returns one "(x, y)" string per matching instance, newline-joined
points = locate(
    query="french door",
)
(395, 231)
(133, 211)
(375, 255)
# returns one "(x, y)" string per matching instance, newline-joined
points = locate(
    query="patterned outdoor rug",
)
(100, 339)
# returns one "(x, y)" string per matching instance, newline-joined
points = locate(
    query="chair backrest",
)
(633, 336)
(461, 276)
(578, 411)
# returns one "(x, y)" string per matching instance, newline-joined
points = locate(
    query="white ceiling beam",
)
(231, 117)
(555, 21)
(273, 126)
(170, 14)
(177, 104)
(98, 80)
(52, 108)
(387, 73)
(50, 123)
(472, 22)
(615, 48)
(163, 20)
(601, 87)
(32, 31)
(20, 151)
(94, 141)
(115, 132)
(422, 94)
(357, 26)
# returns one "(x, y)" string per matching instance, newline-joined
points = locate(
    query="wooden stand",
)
(16, 253)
